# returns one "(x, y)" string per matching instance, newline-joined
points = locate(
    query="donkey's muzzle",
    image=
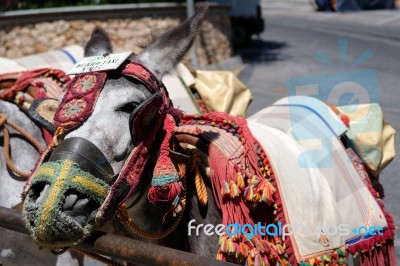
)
(65, 194)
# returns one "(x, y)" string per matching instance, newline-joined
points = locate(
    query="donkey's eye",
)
(128, 108)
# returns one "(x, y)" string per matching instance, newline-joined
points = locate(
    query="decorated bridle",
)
(145, 124)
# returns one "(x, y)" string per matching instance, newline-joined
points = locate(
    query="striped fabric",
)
(62, 59)
(8, 65)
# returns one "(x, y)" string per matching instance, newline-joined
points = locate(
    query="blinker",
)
(42, 112)
(144, 116)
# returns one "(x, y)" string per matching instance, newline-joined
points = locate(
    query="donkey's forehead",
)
(125, 89)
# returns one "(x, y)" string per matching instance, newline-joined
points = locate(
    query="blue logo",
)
(348, 89)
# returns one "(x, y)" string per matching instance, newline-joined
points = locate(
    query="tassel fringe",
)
(165, 185)
(242, 182)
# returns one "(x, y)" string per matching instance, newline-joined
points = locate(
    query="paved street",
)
(287, 50)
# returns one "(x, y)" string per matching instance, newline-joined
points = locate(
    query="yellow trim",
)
(92, 186)
(47, 171)
(48, 205)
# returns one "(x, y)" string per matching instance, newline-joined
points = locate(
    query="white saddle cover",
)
(317, 182)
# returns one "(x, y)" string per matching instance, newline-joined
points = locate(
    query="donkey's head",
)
(105, 127)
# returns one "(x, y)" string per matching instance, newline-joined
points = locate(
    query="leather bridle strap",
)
(86, 155)
(144, 75)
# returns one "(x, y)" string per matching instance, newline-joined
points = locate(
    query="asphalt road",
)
(283, 52)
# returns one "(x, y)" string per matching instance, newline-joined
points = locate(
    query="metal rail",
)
(127, 249)
(102, 12)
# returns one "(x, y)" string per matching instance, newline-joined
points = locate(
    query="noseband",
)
(88, 157)
(144, 123)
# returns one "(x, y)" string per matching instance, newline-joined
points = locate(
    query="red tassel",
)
(166, 193)
(165, 186)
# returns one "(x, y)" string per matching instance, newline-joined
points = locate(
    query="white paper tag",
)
(99, 63)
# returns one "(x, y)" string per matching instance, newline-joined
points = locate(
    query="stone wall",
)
(21, 39)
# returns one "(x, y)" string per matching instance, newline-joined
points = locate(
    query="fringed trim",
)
(377, 249)
(238, 187)
(279, 212)
(259, 190)
(253, 184)
(230, 190)
(249, 252)
(380, 255)
(336, 258)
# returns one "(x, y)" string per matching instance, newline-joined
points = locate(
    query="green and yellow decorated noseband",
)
(48, 223)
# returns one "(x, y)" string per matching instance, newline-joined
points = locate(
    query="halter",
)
(145, 123)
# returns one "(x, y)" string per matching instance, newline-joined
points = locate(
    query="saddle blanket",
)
(317, 182)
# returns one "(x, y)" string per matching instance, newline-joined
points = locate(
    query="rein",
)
(123, 216)
(3, 122)
(192, 164)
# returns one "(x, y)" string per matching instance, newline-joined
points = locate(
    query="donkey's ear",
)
(165, 52)
(98, 44)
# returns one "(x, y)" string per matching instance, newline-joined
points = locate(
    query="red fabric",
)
(379, 249)
(24, 79)
(48, 137)
(140, 72)
(238, 189)
(165, 185)
(78, 103)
